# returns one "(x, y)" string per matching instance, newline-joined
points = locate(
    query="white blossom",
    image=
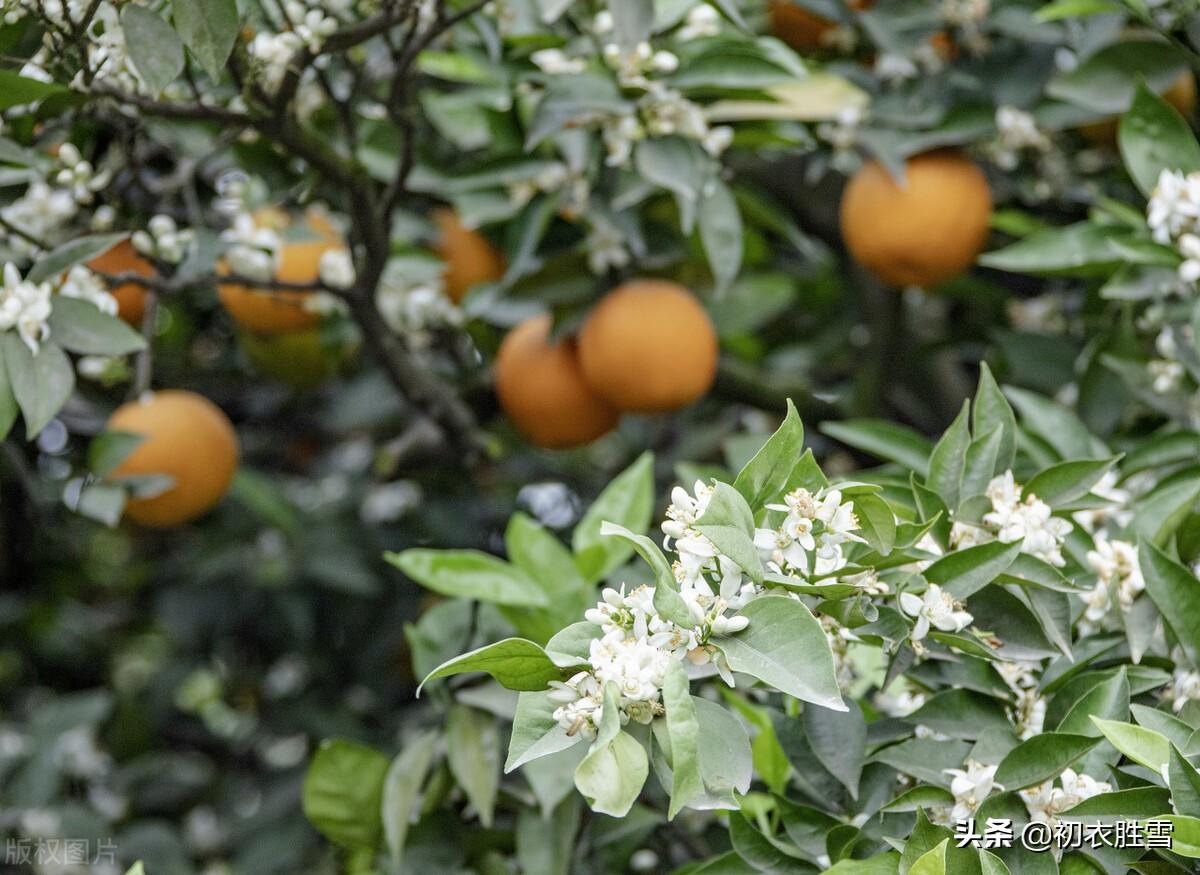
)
(971, 786)
(25, 306)
(936, 608)
(1013, 518)
(336, 268)
(82, 283)
(1045, 801)
(254, 252)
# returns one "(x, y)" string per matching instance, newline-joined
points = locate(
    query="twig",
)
(144, 369)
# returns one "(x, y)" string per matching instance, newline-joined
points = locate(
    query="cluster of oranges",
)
(647, 347)
(187, 438)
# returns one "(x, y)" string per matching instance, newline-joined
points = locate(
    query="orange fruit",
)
(805, 31)
(131, 298)
(649, 347)
(187, 438)
(278, 312)
(470, 257)
(924, 233)
(1181, 95)
(542, 389)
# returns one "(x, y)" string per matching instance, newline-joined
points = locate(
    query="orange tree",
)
(410, 251)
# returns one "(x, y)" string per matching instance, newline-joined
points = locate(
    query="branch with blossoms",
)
(269, 69)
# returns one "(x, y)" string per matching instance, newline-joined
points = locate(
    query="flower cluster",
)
(81, 283)
(1016, 132)
(1045, 801)
(163, 240)
(25, 306)
(254, 250)
(634, 652)
(1173, 215)
(1119, 583)
(1029, 711)
(809, 541)
(1013, 518)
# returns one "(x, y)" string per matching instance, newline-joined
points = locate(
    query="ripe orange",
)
(924, 233)
(131, 298)
(804, 31)
(1181, 95)
(470, 258)
(649, 347)
(187, 438)
(542, 389)
(278, 312)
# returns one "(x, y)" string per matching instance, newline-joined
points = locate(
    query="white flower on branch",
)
(25, 307)
(935, 609)
(81, 283)
(1013, 518)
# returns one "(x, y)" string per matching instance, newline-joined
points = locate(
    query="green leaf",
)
(933, 862)
(1078, 249)
(667, 601)
(343, 794)
(209, 29)
(1185, 835)
(1067, 481)
(17, 90)
(402, 789)
(885, 440)
(470, 574)
(680, 166)
(880, 864)
(949, 457)
(1040, 758)
(40, 383)
(154, 47)
(992, 410)
(768, 474)
(1105, 81)
(1109, 698)
(1176, 592)
(102, 502)
(760, 852)
(612, 774)
(627, 501)
(684, 731)
(81, 327)
(721, 233)
(726, 759)
(71, 253)
(728, 522)
(8, 401)
(1144, 746)
(632, 20)
(1060, 9)
(535, 732)
(876, 521)
(1056, 425)
(981, 464)
(473, 754)
(839, 739)
(1154, 137)
(964, 572)
(136, 869)
(1159, 512)
(785, 647)
(1185, 784)
(515, 663)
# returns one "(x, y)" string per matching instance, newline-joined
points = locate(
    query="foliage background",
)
(171, 688)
